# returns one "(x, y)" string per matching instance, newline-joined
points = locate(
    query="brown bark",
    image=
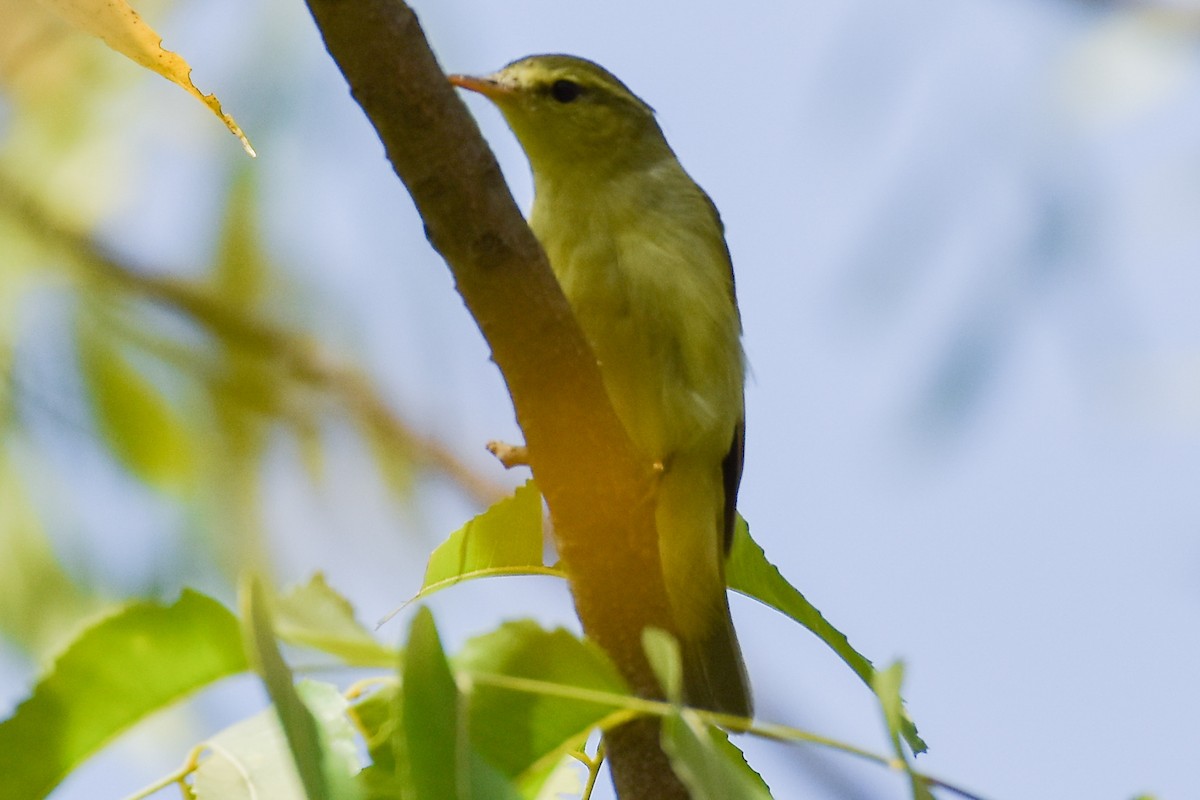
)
(599, 493)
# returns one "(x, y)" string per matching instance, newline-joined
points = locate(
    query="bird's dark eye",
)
(564, 91)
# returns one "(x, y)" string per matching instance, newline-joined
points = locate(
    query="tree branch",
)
(599, 492)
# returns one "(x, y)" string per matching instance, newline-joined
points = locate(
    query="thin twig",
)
(306, 359)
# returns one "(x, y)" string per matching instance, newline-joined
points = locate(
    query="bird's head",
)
(571, 114)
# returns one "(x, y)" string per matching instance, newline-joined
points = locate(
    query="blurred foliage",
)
(502, 718)
(187, 381)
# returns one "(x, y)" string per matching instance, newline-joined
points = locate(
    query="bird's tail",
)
(714, 674)
(690, 517)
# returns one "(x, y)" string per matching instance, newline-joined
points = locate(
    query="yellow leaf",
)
(123, 30)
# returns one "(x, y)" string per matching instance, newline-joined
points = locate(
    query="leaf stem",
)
(187, 768)
(635, 706)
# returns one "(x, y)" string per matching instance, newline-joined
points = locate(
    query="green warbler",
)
(640, 252)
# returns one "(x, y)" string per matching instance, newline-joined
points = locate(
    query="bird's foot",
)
(510, 455)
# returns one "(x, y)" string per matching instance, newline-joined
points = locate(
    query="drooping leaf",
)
(322, 771)
(242, 270)
(515, 730)
(115, 673)
(317, 616)
(706, 761)
(247, 389)
(887, 684)
(251, 760)
(124, 31)
(748, 571)
(256, 382)
(436, 758)
(505, 539)
(144, 432)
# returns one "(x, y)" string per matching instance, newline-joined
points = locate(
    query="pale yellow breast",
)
(647, 275)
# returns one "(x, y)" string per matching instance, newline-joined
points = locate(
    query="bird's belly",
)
(674, 377)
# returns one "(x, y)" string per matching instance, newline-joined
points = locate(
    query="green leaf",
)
(322, 771)
(887, 686)
(662, 650)
(317, 616)
(376, 782)
(142, 430)
(504, 539)
(709, 765)
(377, 715)
(431, 753)
(748, 571)
(515, 730)
(118, 671)
(339, 740)
(437, 761)
(252, 760)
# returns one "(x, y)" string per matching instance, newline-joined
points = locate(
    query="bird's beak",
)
(487, 86)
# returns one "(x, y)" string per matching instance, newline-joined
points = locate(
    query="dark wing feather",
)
(731, 466)
(731, 473)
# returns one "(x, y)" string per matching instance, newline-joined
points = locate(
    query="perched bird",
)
(640, 252)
